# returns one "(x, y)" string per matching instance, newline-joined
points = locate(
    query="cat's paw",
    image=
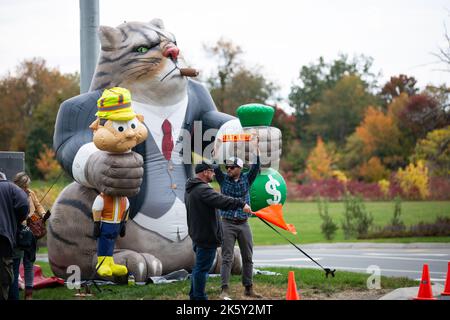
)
(118, 174)
(141, 265)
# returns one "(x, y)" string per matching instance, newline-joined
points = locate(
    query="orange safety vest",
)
(113, 208)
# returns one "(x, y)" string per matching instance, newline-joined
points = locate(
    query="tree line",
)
(345, 123)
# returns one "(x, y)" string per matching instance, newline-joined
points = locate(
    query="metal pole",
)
(89, 43)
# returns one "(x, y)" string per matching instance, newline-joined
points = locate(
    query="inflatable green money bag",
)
(269, 186)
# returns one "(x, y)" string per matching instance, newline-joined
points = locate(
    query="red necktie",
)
(167, 142)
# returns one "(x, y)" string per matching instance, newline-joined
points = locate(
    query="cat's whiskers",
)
(175, 68)
(140, 72)
(151, 59)
(137, 66)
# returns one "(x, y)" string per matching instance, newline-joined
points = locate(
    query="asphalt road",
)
(400, 260)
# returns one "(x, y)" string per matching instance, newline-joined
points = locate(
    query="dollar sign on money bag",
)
(269, 188)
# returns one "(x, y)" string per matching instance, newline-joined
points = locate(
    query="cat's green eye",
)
(142, 49)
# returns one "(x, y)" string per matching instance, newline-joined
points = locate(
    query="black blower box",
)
(12, 163)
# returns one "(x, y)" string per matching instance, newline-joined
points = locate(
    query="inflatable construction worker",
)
(117, 129)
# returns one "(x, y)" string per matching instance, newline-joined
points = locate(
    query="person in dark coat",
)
(14, 209)
(204, 226)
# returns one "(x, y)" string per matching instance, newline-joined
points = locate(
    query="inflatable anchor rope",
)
(91, 279)
(54, 182)
(328, 271)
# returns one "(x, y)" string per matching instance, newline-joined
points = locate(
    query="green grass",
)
(42, 250)
(311, 283)
(305, 217)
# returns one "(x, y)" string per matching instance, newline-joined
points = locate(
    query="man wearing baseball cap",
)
(234, 223)
(204, 225)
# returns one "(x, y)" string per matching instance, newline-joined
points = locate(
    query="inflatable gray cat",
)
(145, 59)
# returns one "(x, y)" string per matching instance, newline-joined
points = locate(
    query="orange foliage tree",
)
(373, 170)
(30, 101)
(380, 137)
(47, 164)
(318, 164)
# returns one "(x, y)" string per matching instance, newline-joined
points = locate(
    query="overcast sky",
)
(279, 35)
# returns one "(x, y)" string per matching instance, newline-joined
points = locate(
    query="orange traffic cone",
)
(292, 293)
(425, 291)
(446, 291)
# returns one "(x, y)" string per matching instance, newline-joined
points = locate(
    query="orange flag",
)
(274, 215)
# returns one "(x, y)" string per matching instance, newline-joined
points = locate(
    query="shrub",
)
(396, 222)
(340, 176)
(414, 181)
(439, 228)
(439, 188)
(331, 189)
(357, 221)
(368, 191)
(328, 227)
(384, 187)
(348, 224)
(335, 190)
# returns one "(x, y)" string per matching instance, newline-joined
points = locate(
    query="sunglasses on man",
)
(230, 167)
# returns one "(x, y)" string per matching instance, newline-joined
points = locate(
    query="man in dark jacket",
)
(13, 210)
(204, 225)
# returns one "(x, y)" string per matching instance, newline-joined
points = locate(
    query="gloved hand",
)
(97, 229)
(122, 229)
(115, 174)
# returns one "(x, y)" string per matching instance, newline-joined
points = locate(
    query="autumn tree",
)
(318, 164)
(234, 84)
(316, 78)
(444, 52)
(421, 115)
(377, 138)
(435, 151)
(441, 94)
(31, 98)
(286, 123)
(340, 110)
(47, 164)
(380, 136)
(227, 56)
(373, 170)
(294, 157)
(398, 85)
(352, 156)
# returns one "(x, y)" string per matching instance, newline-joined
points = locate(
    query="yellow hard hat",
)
(115, 104)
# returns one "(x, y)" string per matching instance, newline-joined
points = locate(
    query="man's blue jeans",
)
(204, 258)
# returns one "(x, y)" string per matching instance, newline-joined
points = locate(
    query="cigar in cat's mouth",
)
(188, 72)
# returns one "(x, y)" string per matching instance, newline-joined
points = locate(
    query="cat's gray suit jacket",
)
(76, 114)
